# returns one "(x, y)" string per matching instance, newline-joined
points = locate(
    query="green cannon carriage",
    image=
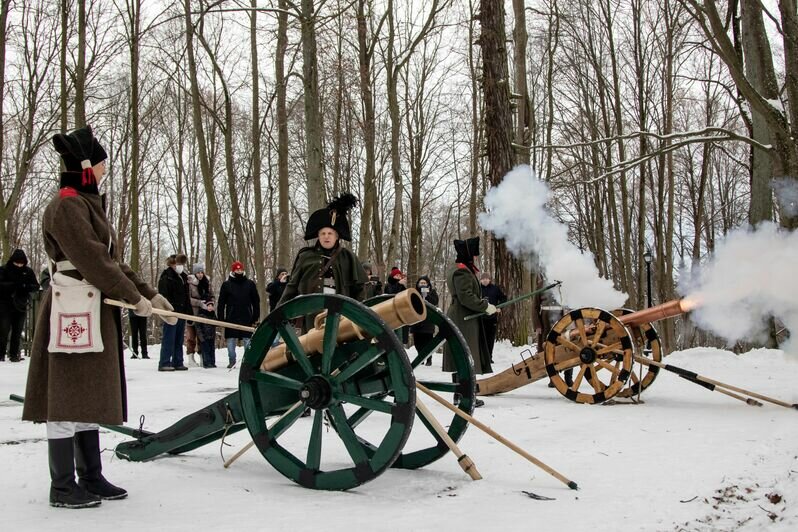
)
(352, 373)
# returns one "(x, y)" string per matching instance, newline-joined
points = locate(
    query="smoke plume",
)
(786, 190)
(751, 277)
(516, 211)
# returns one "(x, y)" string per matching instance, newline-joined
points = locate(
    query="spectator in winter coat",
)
(199, 290)
(239, 303)
(173, 285)
(373, 286)
(327, 267)
(397, 282)
(73, 388)
(276, 288)
(495, 296)
(423, 331)
(206, 334)
(17, 281)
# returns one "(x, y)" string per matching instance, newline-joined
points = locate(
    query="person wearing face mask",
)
(423, 331)
(173, 285)
(239, 303)
(494, 295)
(327, 267)
(76, 378)
(199, 290)
(17, 281)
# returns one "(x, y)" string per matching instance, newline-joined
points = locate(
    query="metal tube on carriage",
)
(406, 308)
(658, 312)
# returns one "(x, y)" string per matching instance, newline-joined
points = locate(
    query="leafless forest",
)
(657, 124)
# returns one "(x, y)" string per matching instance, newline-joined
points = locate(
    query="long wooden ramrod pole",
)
(181, 316)
(495, 435)
(515, 300)
(689, 375)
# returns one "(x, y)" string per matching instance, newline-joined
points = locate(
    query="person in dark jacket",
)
(466, 300)
(276, 288)
(17, 281)
(397, 282)
(495, 296)
(423, 331)
(173, 285)
(138, 335)
(373, 286)
(239, 303)
(206, 334)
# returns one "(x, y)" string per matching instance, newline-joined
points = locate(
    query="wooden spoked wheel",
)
(648, 345)
(371, 374)
(462, 384)
(599, 348)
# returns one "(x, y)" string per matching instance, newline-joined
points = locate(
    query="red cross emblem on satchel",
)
(75, 330)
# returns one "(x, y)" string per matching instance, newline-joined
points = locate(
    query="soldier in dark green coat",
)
(466, 300)
(327, 267)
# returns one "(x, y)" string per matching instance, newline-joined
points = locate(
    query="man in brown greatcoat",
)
(73, 392)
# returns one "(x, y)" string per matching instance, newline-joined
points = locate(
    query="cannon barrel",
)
(656, 313)
(406, 308)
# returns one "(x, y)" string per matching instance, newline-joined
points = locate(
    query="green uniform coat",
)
(467, 300)
(348, 272)
(86, 387)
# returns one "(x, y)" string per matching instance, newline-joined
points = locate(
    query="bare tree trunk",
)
(365, 53)
(64, 11)
(214, 220)
(260, 262)
(476, 128)
(498, 135)
(134, 14)
(281, 113)
(759, 69)
(80, 68)
(313, 142)
(4, 7)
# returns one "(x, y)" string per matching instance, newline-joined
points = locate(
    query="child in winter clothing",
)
(206, 334)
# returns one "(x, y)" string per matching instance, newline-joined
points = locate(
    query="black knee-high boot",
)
(90, 469)
(64, 492)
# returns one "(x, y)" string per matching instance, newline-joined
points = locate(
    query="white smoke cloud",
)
(516, 211)
(786, 190)
(751, 277)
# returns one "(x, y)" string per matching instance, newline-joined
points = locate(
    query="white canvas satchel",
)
(74, 316)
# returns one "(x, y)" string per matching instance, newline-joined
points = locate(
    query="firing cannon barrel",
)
(656, 313)
(406, 308)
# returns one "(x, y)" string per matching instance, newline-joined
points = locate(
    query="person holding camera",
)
(373, 286)
(424, 331)
(276, 288)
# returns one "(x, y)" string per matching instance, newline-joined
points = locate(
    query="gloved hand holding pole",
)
(516, 300)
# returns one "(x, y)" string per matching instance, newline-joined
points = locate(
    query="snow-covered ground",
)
(686, 459)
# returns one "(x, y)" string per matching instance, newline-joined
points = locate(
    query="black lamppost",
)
(648, 257)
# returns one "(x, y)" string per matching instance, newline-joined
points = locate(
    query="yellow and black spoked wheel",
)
(597, 346)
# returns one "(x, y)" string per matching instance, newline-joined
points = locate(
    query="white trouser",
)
(57, 430)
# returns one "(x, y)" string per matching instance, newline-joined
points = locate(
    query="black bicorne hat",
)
(466, 250)
(333, 216)
(77, 147)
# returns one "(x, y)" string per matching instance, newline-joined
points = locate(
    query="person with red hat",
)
(397, 282)
(239, 303)
(76, 378)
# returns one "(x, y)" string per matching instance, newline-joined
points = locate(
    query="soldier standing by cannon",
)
(466, 300)
(327, 267)
(76, 377)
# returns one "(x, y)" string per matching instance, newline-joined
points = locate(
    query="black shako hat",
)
(78, 147)
(466, 250)
(334, 216)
